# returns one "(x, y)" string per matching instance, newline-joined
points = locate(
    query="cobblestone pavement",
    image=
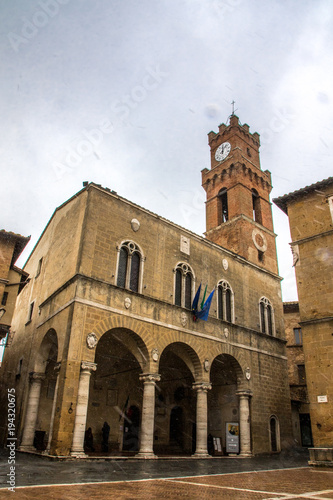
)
(284, 476)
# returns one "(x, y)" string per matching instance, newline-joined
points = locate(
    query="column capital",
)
(37, 376)
(202, 386)
(244, 394)
(88, 366)
(57, 367)
(151, 378)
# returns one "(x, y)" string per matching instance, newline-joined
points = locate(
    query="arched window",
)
(223, 206)
(266, 316)
(184, 280)
(225, 301)
(256, 206)
(130, 261)
(274, 433)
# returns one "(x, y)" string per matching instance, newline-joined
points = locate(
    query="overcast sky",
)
(123, 93)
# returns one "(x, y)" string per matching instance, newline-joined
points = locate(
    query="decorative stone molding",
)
(225, 264)
(151, 378)
(183, 318)
(185, 245)
(127, 302)
(202, 386)
(88, 366)
(259, 240)
(37, 376)
(91, 340)
(135, 225)
(155, 355)
(295, 252)
(206, 365)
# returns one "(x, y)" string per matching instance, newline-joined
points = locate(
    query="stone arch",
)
(133, 330)
(239, 362)
(48, 349)
(188, 355)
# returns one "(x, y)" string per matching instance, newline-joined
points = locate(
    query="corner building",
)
(106, 333)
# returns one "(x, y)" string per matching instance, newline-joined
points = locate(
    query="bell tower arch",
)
(238, 208)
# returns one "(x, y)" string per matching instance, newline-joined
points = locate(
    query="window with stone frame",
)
(266, 316)
(298, 336)
(225, 301)
(183, 287)
(130, 266)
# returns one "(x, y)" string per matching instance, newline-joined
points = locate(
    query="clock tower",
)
(238, 209)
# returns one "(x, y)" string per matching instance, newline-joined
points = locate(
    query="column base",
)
(27, 448)
(146, 454)
(78, 454)
(245, 454)
(200, 455)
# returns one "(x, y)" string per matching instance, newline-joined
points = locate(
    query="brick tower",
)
(238, 209)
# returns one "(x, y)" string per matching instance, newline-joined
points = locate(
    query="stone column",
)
(201, 440)
(148, 415)
(81, 409)
(244, 423)
(27, 443)
(56, 369)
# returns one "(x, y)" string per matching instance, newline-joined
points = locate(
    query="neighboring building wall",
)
(11, 277)
(297, 375)
(311, 226)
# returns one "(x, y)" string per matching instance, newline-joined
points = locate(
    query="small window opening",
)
(4, 298)
(223, 197)
(256, 209)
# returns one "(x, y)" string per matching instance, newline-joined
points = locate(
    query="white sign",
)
(232, 437)
(322, 399)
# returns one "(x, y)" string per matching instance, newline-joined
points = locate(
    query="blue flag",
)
(203, 314)
(196, 300)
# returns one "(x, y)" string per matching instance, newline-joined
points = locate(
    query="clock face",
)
(222, 151)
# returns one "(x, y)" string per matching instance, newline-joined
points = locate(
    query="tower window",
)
(39, 267)
(225, 301)
(223, 205)
(266, 316)
(256, 209)
(129, 266)
(184, 279)
(301, 374)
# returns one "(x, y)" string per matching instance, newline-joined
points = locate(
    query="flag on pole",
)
(196, 299)
(203, 314)
(203, 300)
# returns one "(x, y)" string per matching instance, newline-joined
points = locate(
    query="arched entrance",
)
(115, 393)
(223, 402)
(175, 412)
(38, 425)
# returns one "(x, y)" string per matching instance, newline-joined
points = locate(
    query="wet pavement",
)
(36, 470)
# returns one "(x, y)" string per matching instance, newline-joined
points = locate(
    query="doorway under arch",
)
(223, 402)
(175, 412)
(115, 392)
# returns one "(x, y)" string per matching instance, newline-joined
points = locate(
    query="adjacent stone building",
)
(297, 376)
(12, 278)
(106, 339)
(310, 212)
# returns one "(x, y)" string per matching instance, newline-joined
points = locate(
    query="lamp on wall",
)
(2, 312)
(70, 409)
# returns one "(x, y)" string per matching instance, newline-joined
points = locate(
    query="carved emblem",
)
(91, 340)
(206, 365)
(294, 250)
(247, 373)
(226, 332)
(135, 225)
(183, 318)
(155, 355)
(127, 302)
(225, 264)
(185, 245)
(259, 240)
